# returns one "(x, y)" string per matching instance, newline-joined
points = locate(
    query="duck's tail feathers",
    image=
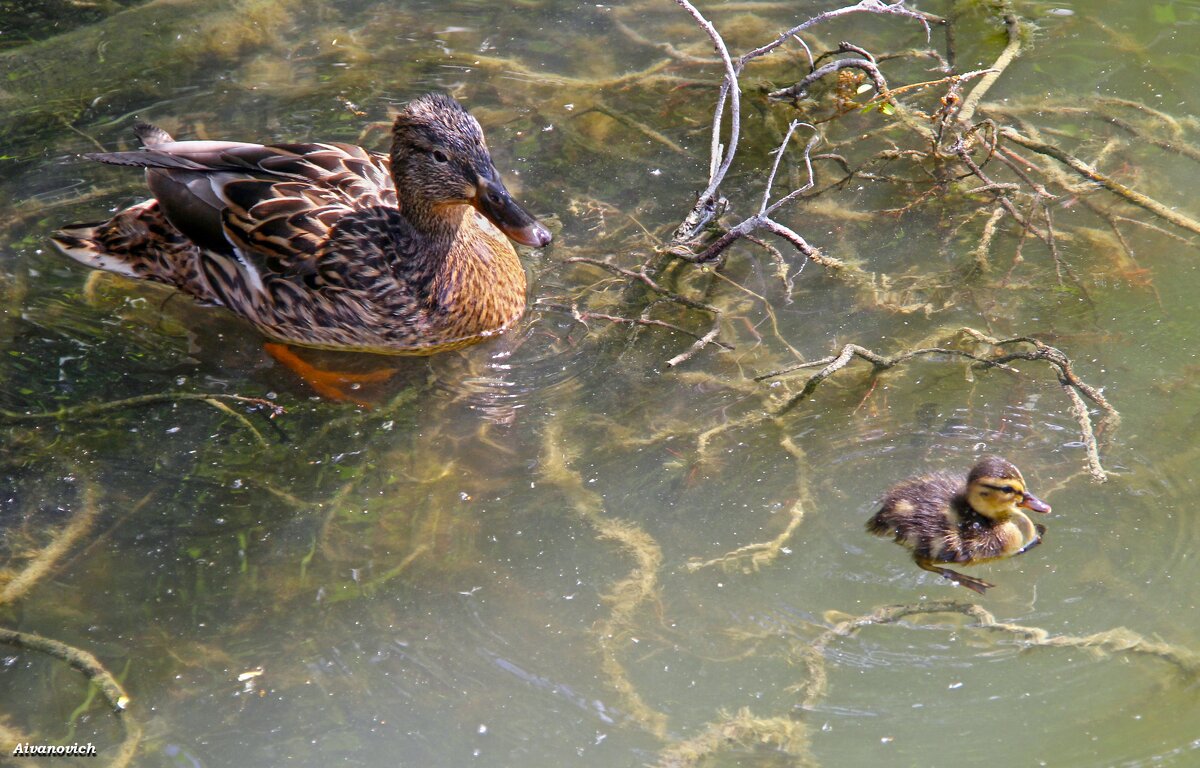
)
(150, 134)
(138, 242)
(147, 158)
(83, 243)
(880, 525)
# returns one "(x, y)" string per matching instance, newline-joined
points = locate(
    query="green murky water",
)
(490, 566)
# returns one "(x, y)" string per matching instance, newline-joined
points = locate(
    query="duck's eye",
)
(1009, 489)
(440, 156)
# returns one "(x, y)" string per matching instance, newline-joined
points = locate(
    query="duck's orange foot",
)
(328, 384)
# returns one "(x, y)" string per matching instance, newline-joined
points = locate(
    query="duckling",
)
(946, 518)
(328, 245)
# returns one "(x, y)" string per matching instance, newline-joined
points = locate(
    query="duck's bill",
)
(1034, 503)
(494, 201)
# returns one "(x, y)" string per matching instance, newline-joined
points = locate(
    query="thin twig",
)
(584, 316)
(720, 158)
(865, 6)
(762, 219)
(1117, 640)
(701, 343)
(88, 410)
(1075, 388)
(642, 277)
(833, 364)
(1089, 172)
(800, 89)
(1011, 51)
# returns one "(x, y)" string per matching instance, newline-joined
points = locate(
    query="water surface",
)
(490, 566)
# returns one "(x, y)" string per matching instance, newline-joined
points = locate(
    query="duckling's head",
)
(996, 489)
(439, 159)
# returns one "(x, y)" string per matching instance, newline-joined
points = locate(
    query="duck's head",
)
(996, 489)
(439, 159)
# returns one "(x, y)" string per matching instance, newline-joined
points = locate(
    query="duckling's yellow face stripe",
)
(996, 497)
(1004, 487)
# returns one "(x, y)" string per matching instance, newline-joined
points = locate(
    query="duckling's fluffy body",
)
(951, 518)
(327, 244)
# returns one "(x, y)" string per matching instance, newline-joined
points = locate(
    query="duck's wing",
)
(286, 210)
(271, 207)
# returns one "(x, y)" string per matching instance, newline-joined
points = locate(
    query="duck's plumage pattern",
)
(315, 244)
(930, 515)
(967, 519)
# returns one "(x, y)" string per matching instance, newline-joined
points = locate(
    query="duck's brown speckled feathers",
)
(930, 515)
(327, 244)
(949, 518)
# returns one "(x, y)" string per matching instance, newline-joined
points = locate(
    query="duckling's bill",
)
(1031, 502)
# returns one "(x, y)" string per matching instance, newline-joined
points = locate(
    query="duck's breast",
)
(481, 286)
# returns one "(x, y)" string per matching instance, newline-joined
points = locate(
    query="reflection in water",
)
(520, 553)
(530, 366)
(558, 689)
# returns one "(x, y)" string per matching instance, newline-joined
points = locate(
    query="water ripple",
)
(527, 367)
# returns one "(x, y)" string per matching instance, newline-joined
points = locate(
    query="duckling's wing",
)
(915, 509)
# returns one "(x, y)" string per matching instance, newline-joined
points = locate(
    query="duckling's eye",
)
(440, 156)
(1009, 489)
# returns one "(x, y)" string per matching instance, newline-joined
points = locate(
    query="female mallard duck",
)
(326, 244)
(946, 518)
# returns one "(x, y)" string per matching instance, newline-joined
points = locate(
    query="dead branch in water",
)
(1089, 172)
(1075, 388)
(96, 673)
(642, 277)
(812, 655)
(77, 658)
(1118, 640)
(789, 734)
(709, 203)
(940, 131)
(762, 219)
(878, 122)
